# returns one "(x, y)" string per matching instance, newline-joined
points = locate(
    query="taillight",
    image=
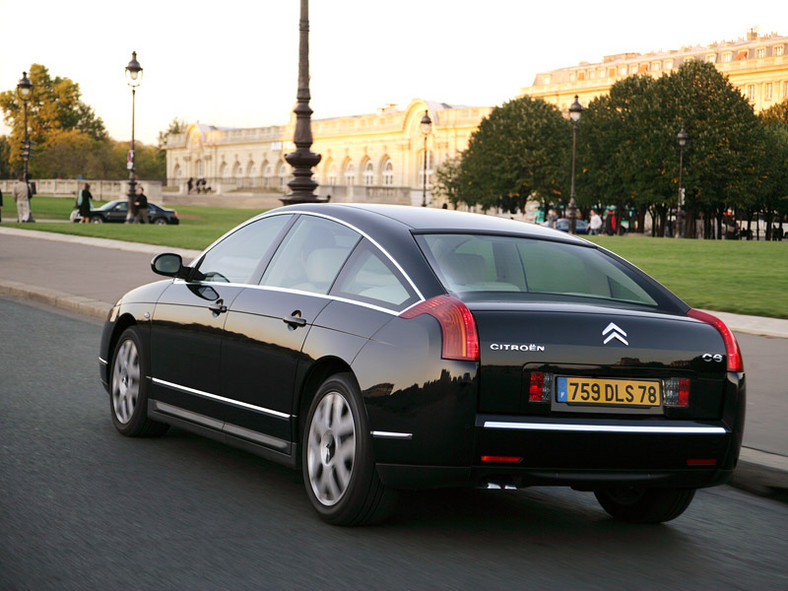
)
(733, 353)
(460, 339)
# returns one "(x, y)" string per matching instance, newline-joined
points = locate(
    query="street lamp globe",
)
(426, 123)
(575, 110)
(24, 88)
(682, 138)
(133, 71)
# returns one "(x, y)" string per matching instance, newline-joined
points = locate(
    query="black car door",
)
(188, 324)
(267, 325)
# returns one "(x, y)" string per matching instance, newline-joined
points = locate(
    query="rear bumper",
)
(584, 454)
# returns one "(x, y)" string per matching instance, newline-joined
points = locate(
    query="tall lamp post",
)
(682, 139)
(24, 90)
(426, 127)
(302, 185)
(575, 110)
(133, 79)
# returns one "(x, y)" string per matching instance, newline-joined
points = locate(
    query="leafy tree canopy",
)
(55, 107)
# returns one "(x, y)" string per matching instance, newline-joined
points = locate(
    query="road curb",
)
(57, 299)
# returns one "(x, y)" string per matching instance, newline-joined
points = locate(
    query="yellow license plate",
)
(605, 392)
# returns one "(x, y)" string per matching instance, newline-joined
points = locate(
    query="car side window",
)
(237, 257)
(370, 277)
(311, 255)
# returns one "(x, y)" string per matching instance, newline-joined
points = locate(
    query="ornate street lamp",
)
(24, 90)
(682, 138)
(426, 127)
(133, 79)
(302, 185)
(575, 110)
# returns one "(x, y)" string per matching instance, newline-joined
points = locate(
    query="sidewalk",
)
(88, 275)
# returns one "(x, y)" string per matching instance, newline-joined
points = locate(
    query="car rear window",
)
(512, 268)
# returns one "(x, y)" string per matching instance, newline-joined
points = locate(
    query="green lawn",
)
(726, 275)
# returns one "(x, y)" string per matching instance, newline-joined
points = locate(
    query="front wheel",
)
(96, 219)
(644, 505)
(129, 389)
(337, 459)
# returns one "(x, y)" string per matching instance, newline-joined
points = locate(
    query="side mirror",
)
(170, 265)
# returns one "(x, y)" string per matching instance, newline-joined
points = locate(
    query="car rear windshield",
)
(512, 268)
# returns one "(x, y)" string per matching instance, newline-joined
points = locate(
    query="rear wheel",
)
(337, 460)
(129, 389)
(644, 505)
(96, 219)
(160, 221)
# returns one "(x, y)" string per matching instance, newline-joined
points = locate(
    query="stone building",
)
(756, 64)
(377, 157)
(380, 157)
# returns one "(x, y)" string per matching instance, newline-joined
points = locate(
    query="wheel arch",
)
(318, 373)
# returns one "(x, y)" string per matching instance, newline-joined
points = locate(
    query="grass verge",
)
(743, 277)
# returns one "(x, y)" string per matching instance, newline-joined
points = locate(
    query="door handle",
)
(218, 307)
(294, 321)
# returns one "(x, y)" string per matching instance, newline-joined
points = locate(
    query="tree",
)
(176, 126)
(776, 114)
(54, 107)
(520, 150)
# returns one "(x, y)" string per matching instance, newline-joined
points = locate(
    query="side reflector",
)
(502, 459)
(702, 462)
(733, 353)
(460, 339)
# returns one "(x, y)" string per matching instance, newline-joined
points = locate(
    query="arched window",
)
(200, 168)
(252, 175)
(388, 173)
(350, 174)
(239, 176)
(282, 176)
(429, 168)
(332, 174)
(369, 174)
(224, 171)
(267, 175)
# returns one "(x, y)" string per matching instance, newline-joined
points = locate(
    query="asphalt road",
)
(83, 508)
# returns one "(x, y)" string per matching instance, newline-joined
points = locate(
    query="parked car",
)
(115, 211)
(378, 348)
(562, 224)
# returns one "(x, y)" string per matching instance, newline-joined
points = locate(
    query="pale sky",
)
(235, 63)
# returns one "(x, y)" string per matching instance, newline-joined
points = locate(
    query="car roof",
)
(424, 220)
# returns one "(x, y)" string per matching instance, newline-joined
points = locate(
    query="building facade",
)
(378, 157)
(756, 64)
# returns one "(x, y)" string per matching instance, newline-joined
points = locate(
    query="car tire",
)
(644, 505)
(160, 221)
(337, 460)
(129, 389)
(96, 219)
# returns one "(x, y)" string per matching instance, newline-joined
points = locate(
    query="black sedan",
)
(116, 211)
(562, 224)
(378, 348)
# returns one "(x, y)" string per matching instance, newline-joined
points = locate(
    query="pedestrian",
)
(141, 208)
(189, 186)
(84, 204)
(552, 218)
(610, 222)
(22, 195)
(595, 223)
(1, 205)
